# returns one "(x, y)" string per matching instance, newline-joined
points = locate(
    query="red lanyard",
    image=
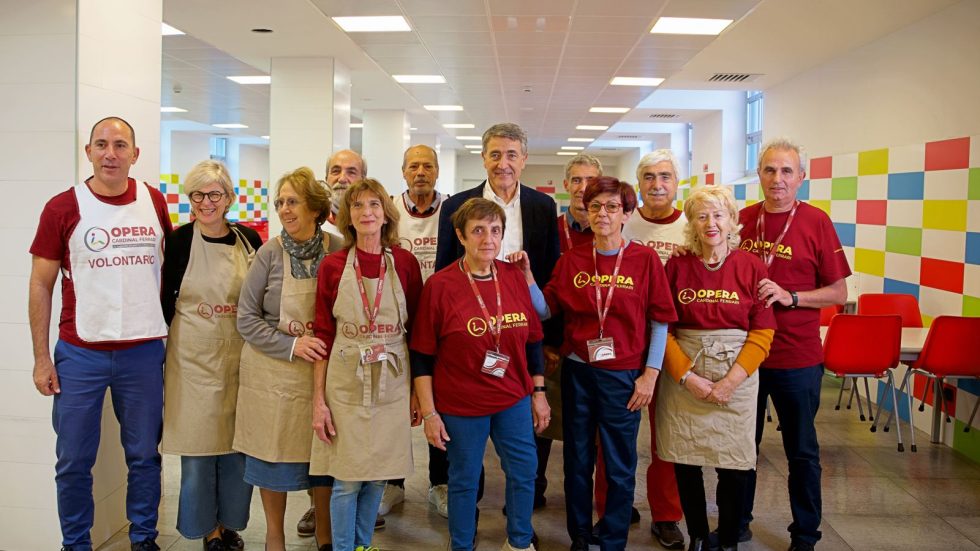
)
(492, 325)
(760, 232)
(603, 311)
(371, 313)
(568, 236)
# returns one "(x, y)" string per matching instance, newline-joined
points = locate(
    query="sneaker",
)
(508, 547)
(214, 544)
(232, 540)
(392, 496)
(439, 497)
(366, 548)
(145, 545)
(379, 523)
(580, 543)
(306, 526)
(668, 534)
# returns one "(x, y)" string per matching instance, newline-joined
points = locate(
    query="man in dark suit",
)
(532, 226)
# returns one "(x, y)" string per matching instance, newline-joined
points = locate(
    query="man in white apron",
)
(105, 236)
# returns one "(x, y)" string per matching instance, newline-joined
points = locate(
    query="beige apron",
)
(369, 403)
(201, 375)
(695, 432)
(275, 397)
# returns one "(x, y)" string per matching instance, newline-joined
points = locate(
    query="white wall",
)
(186, 150)
(707, 147)
(917, 84)
(253, 164)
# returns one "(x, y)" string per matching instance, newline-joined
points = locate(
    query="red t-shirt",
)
(809, 257)
(328, 282)
(451, 327)
(723, 299)
(642, 294)
(54, 229)
(578, 237)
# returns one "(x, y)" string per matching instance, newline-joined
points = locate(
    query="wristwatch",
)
(796, 300)
(684, 377)
(540, 389)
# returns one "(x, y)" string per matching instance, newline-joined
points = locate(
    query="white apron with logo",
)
(369, 403)
(695, 432)
(116, 253)
(418, 235)
(200, 380)
(275, 397)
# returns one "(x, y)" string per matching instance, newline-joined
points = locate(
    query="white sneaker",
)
(392, 496)
(439, 496)
(508, 547)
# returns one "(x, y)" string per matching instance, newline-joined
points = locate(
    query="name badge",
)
(601, 349)
(374, 352)
(495, 364)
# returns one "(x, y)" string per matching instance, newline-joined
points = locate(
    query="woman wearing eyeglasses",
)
(275, 396)
(204, 265)
(616, 304)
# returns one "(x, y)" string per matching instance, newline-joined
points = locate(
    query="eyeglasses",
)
(214, 196)
(611, 208)
(291, 203)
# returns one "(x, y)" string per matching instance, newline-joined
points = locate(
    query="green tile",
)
(971, 306)
(974, 192)
(873, 162)
(844, 188)
(562, 196)
(687, 192)
(967, 443)
(903, 240)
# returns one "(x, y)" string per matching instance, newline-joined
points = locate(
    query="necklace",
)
(707, 265)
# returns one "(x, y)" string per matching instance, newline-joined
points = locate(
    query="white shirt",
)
(514, 234)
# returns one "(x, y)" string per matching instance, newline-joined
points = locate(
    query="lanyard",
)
(492, 326)
(603, 311)
(568, 236)
(372, 314)
(760, 232)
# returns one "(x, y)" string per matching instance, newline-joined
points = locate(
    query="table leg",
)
(937, 412)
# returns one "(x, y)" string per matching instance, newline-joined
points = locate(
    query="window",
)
(753, 129)
(690, 150)
(219, 149)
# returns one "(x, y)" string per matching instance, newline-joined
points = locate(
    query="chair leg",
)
(856, 392)
(898, 421)
(840, 396)
(877, 417)
(850, 397)
(972, 415)
(905, 383)
(925, 397)
(867, 393)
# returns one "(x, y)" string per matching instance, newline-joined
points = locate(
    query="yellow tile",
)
(944, 215)
(750, 202)
(873, 162)
(870, 262)
(822, 205)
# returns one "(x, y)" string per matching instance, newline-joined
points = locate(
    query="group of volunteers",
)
(303, 363)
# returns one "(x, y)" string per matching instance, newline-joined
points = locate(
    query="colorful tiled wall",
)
(251, 208)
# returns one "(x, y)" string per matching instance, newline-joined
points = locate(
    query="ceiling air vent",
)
(733, 77)
(610, 149)
(628, 137)
(664, 116)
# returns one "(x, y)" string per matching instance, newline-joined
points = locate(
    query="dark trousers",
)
(795, 394)
(594, 400)
(730, 496)
(541, 480)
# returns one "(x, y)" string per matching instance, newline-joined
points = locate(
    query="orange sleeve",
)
(676, 362)
(755, 350)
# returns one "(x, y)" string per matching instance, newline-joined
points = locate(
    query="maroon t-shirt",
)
(328, 283)
(809, 257)
(58, 221)
(451, 326)
(722, 299)
(578, 237)
(641, 294)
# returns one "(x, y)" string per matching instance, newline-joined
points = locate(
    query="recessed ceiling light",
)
(475, 151)
(591, 127)
(264, 137)
(609, 110)
(172, 110)
(229, 125)
(583, 140)
(689, 25)
(357, 125)
(469, 138)
(252, 79)
(572, 147)
(167, 30)
(473, 146)
(636, 81)
(566, 153)
(444, 107)
(372, 24)
(419, 79)
(413, 128)
(458, 125)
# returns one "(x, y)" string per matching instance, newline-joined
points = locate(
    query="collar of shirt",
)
(515, 203)
(573, 223)
(410, 205)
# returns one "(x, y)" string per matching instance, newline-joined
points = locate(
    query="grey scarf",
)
(304, 250)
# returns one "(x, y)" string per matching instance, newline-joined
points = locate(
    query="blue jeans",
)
(353, 510)
(212, 493)
(134, 376)
(512, 432)
(594, 400)
(795, 394)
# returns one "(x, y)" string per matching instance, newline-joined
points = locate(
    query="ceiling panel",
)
(347, 8)
(530, 39)
(439, 7)
(631, 8)
(530, 24)
(453, 40)
(604, 24)
(537, 7)
(455, 23)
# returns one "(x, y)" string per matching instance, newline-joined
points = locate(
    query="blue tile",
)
(886, 402)
(184, 207)
(739, 190)
(903, 287)
(970, 385)
(906, 185)
(249, 207)
(845, 232)
(265, 191)
(804, 192)
(972, 247)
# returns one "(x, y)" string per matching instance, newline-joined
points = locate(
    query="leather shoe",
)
(306, 526)
(145, 545)
(744, 536)
(214, 544)
(232, 540)
(668, 534)
(379, 523)
(698, 544)
(580, 543)
(801, 546)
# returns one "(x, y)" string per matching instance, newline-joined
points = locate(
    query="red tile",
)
(821, 167)
(709, 179)
(948, 154)
(546, 189)
(872, 212)
(173, 198)
(941, 274)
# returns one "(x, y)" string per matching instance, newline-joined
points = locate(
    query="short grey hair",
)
(783, 144)
(507, 130)
(583, 159)
(359, 156)
(435, 155)
(654, 157)
(210, 172)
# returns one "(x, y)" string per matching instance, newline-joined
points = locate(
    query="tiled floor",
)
(873, 498)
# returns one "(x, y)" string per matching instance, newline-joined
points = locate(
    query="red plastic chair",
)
(862, 346)
(948, 353)
(879, 304)
(827, 313)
